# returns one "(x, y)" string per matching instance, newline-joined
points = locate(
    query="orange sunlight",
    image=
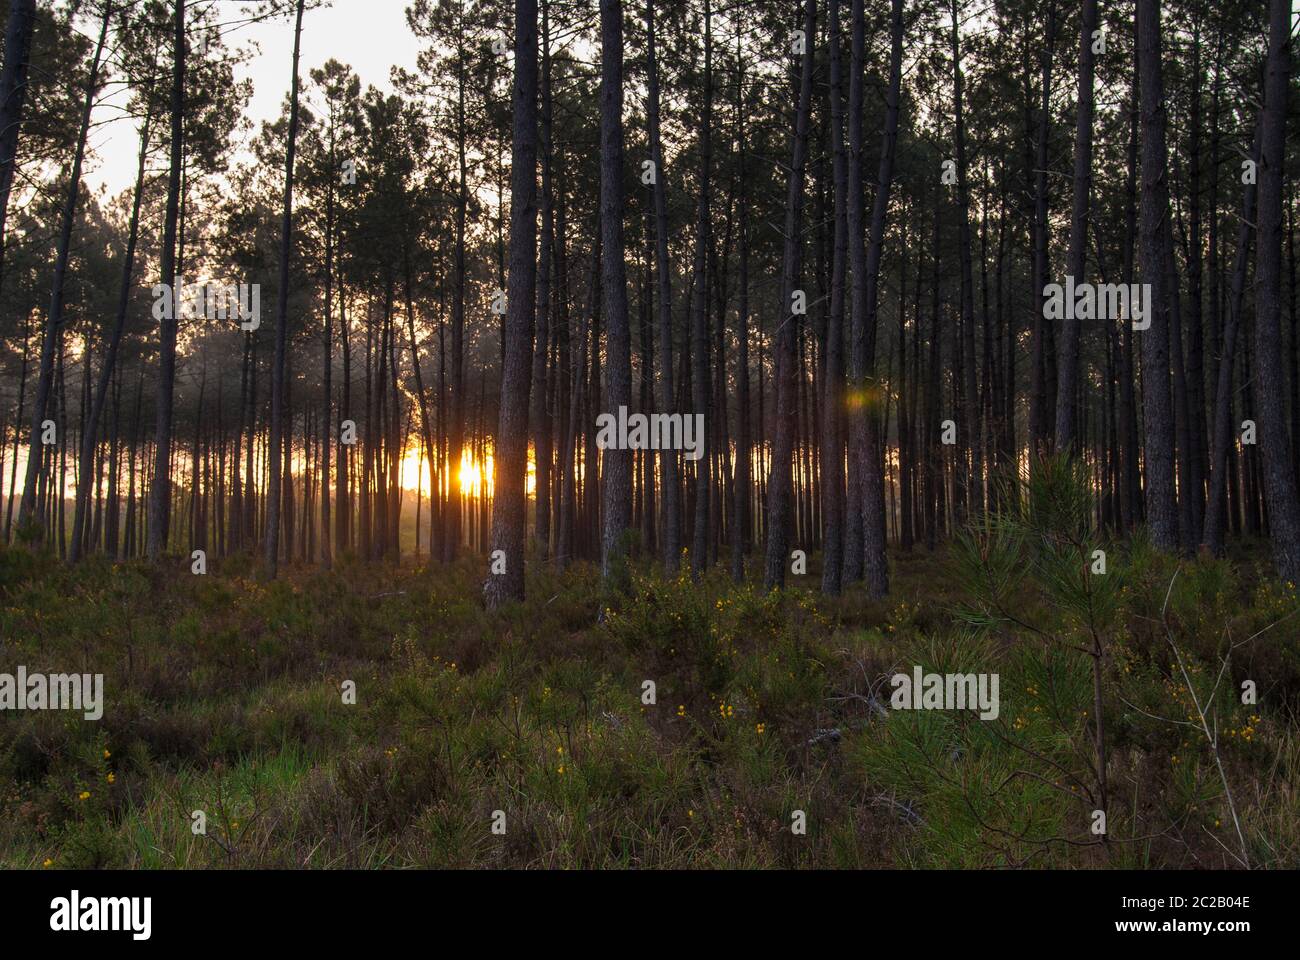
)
(474, 474)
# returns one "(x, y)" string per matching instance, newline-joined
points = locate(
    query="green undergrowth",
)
(225, 703)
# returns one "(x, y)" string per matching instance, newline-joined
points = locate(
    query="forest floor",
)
(227, 695)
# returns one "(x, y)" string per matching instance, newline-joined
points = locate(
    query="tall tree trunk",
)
(160, 487)
(1279, 481)
(1042, 393)
(832, 448)
(933, 463)
(616, 486)
(742, 522)
(665, 395)
(1197, 454)
(52, 343)
(329, 429)
(780, 490)
(343, 478)
(13, 97)
(906, 527)
(700, 311)
(90, 428)
(249, 519)
(541, 415)
(459, 406)
(568, 484)
(426, 417)
(1130, 479)
(18, 426)
(855, 215)
(972, 483)
(509, 516)
(1158, 414)
(875, 570)
(1067, 386)
(278, 404)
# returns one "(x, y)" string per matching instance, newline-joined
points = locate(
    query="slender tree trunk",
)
(1042, 392)
(875, 569)
(509, 511)
(665, 395)
(90, 427)
(541, 417)
(616, 486)
(160, 487)
(832, 447)
(1197, 454)
(1130, 478)
(1067, 386)
(426, 417)
(700, 311)
(855, 215)
(780, 490)
(568, 492)
(906, 528)
(459, 406)
(1158, 414)
(743, 480)
(933, 464)
(278, 404)
(13, 98)
(329, 430)
(52, 344)
(343, 478)
(18, 427)
(1275, 445)
(972, 483)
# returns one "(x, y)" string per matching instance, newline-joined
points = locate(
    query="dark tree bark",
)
(541, 415)
(665, 395)
(1188, 523)
(743, 480)
(274, 492)
(343, 478)
(509, 513)
(13, 98)
(18, 426)
(1158, 414)
(855, 216)
(90, 426)
(329, 427)
(1042, 391)
(700, 312)
(459, 406)
(160, 486)
(1275, 445)
(616, 478)
(933, 464)
(52, 342)
(906, 526)
(832, 447)
(1130, 478)
(1197, 454)
(874, 567)
(970, 485)
(426, 416)
(568, 479)
(780, 491)
(1067, 386)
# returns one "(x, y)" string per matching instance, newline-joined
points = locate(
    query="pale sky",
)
(371, 36)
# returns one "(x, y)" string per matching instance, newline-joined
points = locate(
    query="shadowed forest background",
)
(830, 227)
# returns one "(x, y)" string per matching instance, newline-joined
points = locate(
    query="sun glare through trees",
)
(657, 434)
